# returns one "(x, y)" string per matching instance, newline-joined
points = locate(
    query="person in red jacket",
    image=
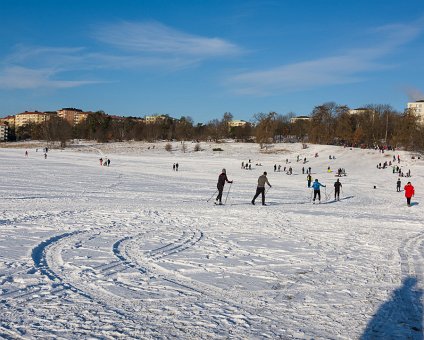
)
(409, 192)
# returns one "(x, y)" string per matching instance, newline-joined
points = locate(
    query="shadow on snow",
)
(400, 317)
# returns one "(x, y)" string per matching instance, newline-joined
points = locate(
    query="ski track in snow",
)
(135, 251)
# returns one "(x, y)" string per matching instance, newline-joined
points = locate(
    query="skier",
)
(398, 183)
(275, 167)
(222, 178)
(309, 179)
(101, 161)
(176, 166)
(108, 161)
(317, 192)
(26, 153)
(409, 192)
(261, 188)
(173, 167)
(337, 186)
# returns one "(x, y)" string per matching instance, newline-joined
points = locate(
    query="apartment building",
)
(418, 108)
(154, 119)
(9, 120)
(299, 118)
(237, 123)
(72, 115)
(4, 131)
(26, 117)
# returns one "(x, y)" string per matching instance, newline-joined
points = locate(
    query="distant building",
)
(72, 116)
(358, 111)
(299, 118)
(237, 123)
(155, 119)
(4, 131)
(10, 120)
(418, 108)
(26, 117)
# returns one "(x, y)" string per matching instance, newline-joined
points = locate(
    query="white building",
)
(4, 131)
(299, 118)
(359, 110)
(418, 108)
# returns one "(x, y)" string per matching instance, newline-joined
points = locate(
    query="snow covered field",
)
(134, 250)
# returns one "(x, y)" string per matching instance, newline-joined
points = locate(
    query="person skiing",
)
(309, 179)
(222, 178)
(337, 186)
(261, 188)
(317, 192)
(409, 192)
(398, 183)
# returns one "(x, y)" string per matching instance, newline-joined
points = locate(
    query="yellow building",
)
(9, 120)
(73, 116)
(29, 117)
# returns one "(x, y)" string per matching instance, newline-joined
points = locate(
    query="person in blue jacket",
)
(317, 192)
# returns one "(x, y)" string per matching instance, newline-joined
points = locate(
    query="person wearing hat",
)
(317, 192)
(409, 192)
(261, 188)
(222, 178)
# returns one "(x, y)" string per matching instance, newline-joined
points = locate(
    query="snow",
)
(134, 250)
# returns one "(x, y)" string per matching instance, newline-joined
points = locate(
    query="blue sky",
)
(204, 58)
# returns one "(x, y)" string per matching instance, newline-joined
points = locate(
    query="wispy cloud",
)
(156, 38)
(345, 68)
(17, 77)
(124, 46)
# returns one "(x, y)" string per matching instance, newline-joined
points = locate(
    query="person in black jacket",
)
(337, 186)
(220, 185)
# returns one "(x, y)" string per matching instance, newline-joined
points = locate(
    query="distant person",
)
(261, 188)
(337, 187)
(176, 166)
(309, 179)
(45, 155)
(409, 193)
(26, 153)
(173, 167)
(101, 161)
(222, 178)
(108, 161)
(317, 192)
(398, 184)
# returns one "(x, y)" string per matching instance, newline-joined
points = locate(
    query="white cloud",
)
(17, 77)
(153, 37)
(346, 68)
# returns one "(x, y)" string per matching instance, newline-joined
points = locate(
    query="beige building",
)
(154, 119)
(418, 108)
(73, 116)
(4, 131)
(30, 117)
(237, 123)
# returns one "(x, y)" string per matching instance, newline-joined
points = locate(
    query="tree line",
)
(329, 123)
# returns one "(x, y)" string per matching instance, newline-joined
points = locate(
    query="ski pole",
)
(228, 193)
(267, 190)
(212, 195)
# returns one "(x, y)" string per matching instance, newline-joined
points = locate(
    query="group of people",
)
(175, 167)
(104, 162)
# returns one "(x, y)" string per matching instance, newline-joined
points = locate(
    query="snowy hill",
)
(136, 250)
